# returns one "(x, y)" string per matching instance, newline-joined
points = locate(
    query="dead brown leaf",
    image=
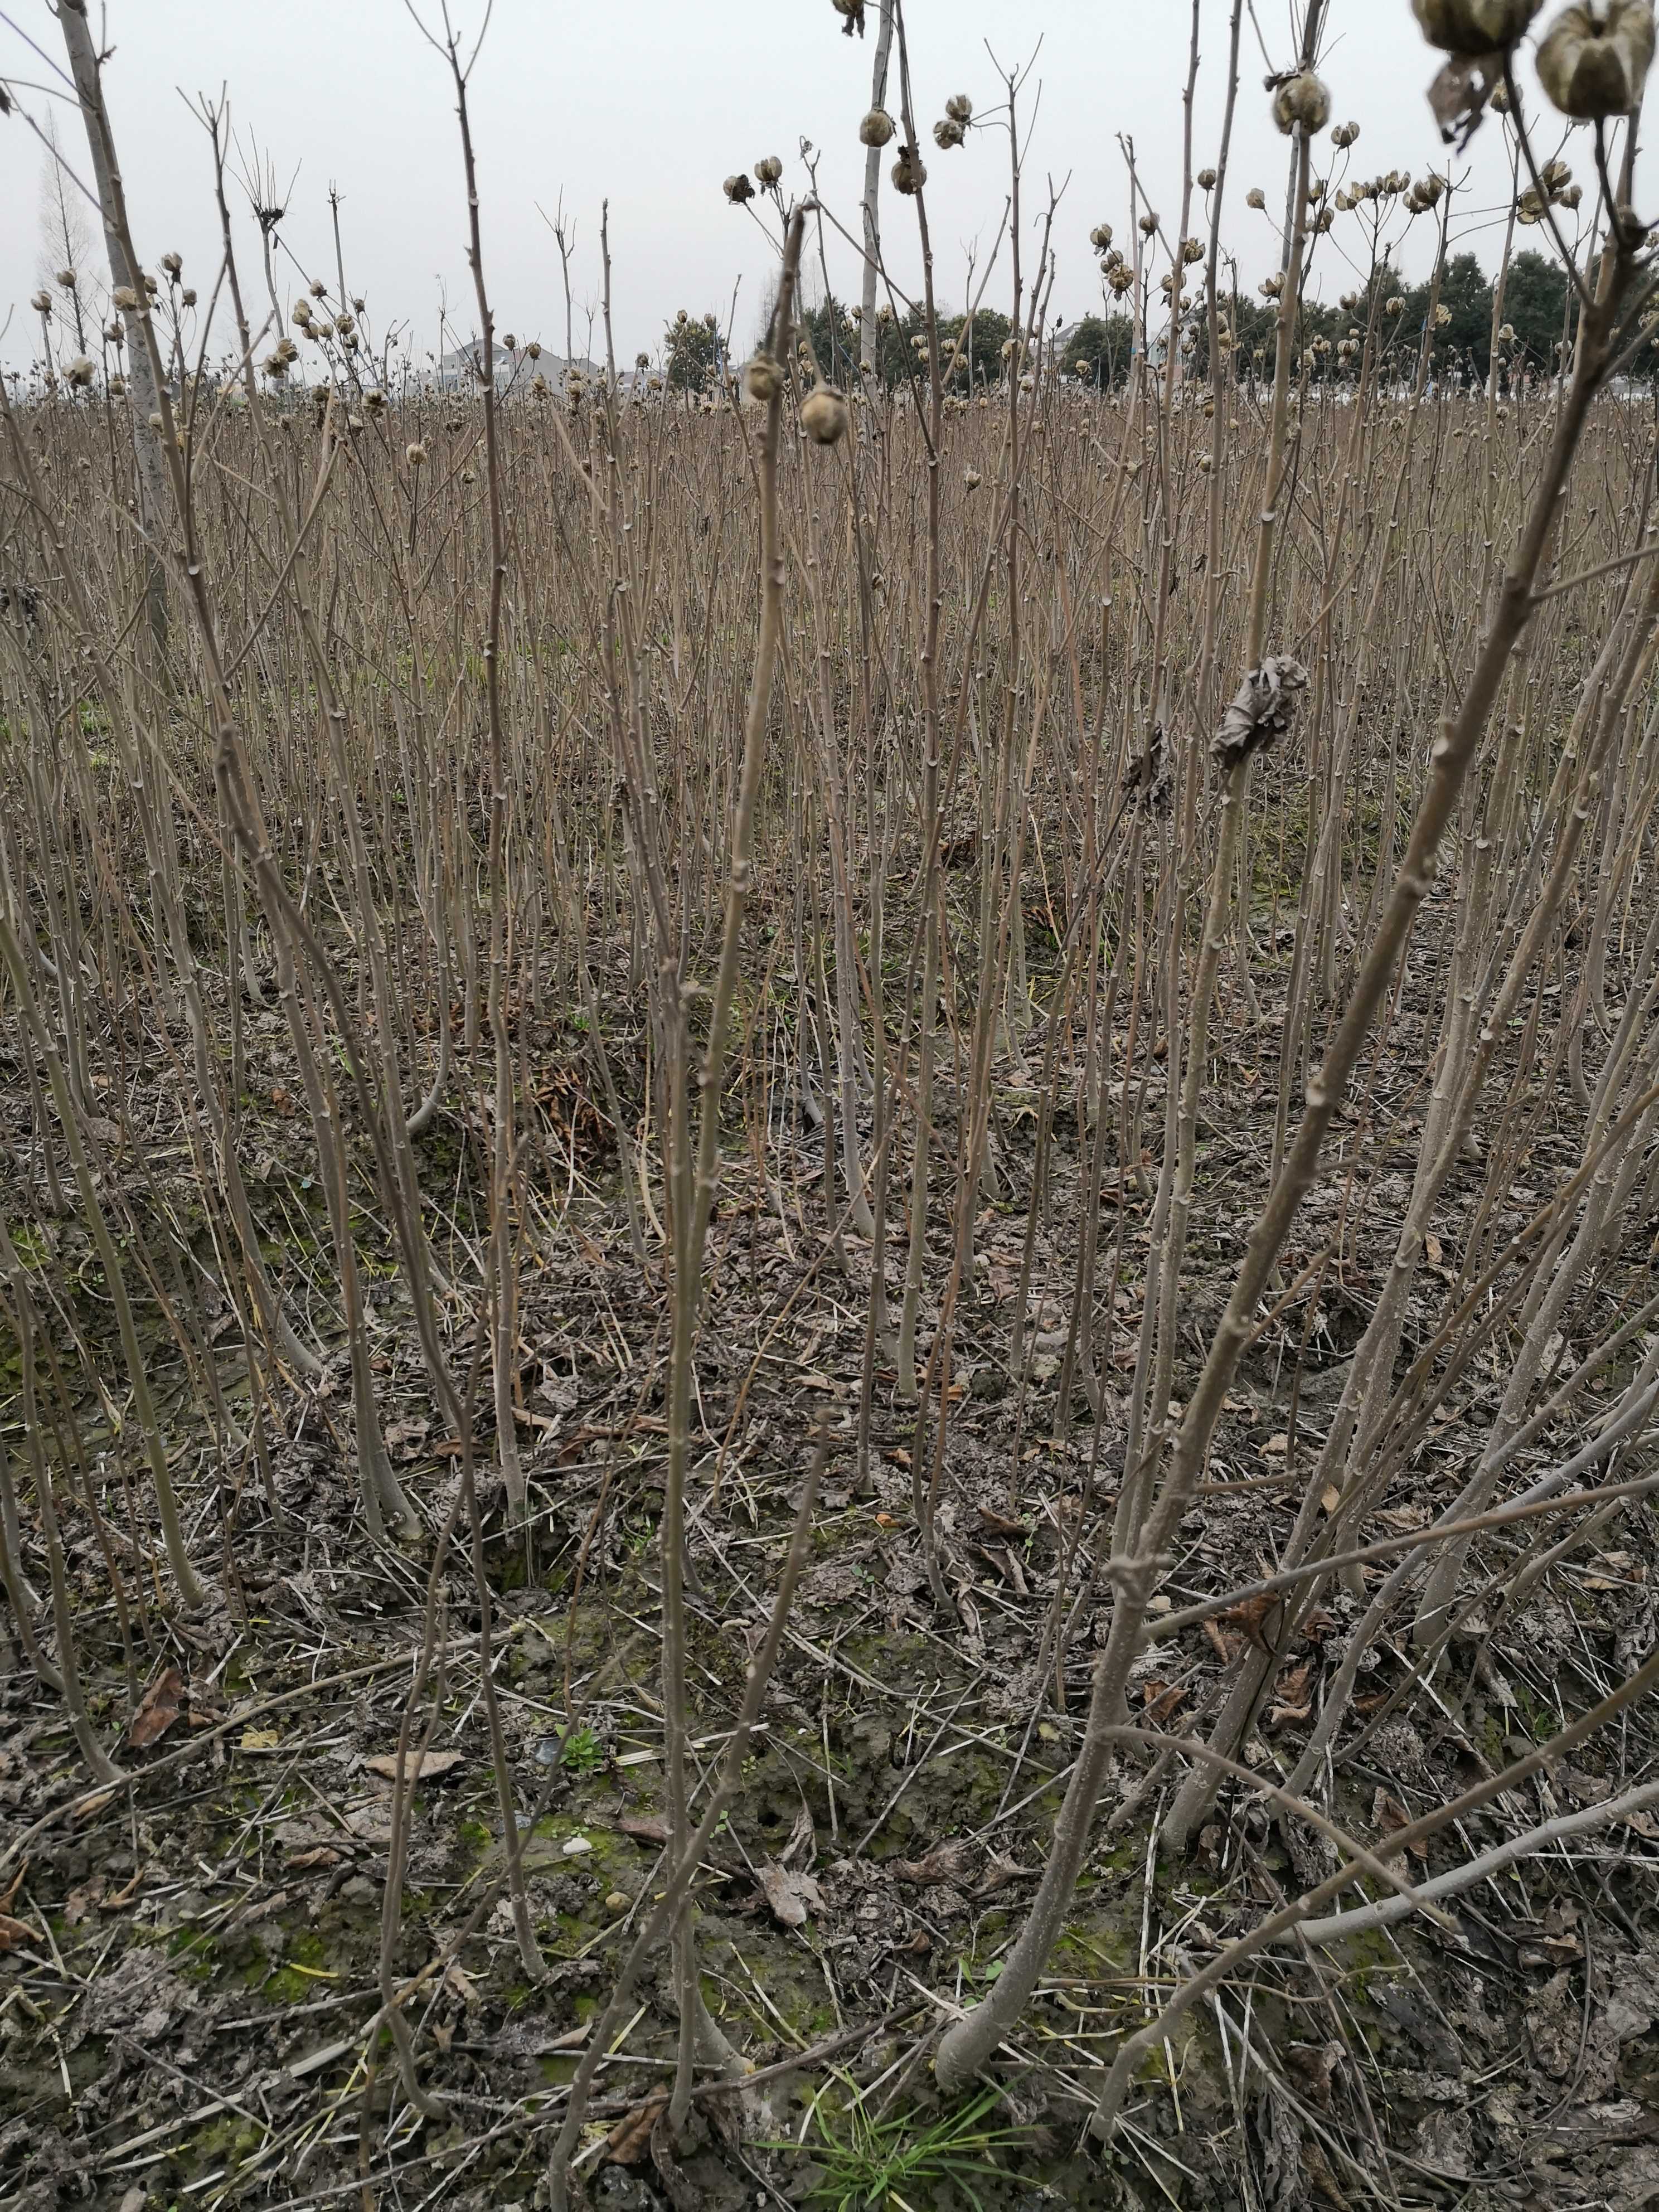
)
(83, 1901)
(423, 1766)
(791, 1894)
(1293, 1702)
(158, 1709)
(1162, 1699)
(998, 1873)
(1251, 1617)
(950, 1861)
(647, 1827)
(1391, 1816)
(14, 1932)
(630, 2141)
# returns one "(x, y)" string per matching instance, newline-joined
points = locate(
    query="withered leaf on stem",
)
(1263, 709)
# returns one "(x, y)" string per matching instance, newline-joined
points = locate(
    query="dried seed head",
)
(1148, 224)
(415, 454)
(1193, 251)
(1101, 237)
(172, 263)
(125, 299)
(877, 128)
(302, 314)
(374, 401)
(768, 169)
(762, 378)
(971, 479)
(187, 297)
(739, 189)
(959, 107)
(1344, 134)
(1474, 26)
(117, 387)
(319, 289)
(1301, 100)
(1593, 59)
(80, 371)
(824, 415)
(155, 421)
(947, 132)
(1394, 306)
(1206, 180)
(909, 172)
(67, 279)
(41, 303)
(1256, 197)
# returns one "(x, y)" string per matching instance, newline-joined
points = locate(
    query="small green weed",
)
(581, 1751)
(868, 2163)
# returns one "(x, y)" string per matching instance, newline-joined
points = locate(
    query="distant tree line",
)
(1099, 351)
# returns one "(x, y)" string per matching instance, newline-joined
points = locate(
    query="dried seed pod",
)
(824, 415)
(909, 172)
(1256, 197)
(877, 128)
(125, 299)
(172, 263)
(67, 279)
(1344, 134)
(1593, 59)
(1148, 224)
(1301, 100)
(80, 371)
(41, 303)
(959, 107)
(947, 132)
(768, 169)
(763, 377)
(739, 189)
(971, 479)
(187, 297)
(415, 454)
(1474, 26)
(1206, 180)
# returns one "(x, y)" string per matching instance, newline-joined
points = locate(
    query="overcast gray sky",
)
(650, 103)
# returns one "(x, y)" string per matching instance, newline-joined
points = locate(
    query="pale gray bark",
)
(141, 383)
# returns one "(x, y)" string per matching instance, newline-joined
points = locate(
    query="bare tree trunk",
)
(124, 281)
